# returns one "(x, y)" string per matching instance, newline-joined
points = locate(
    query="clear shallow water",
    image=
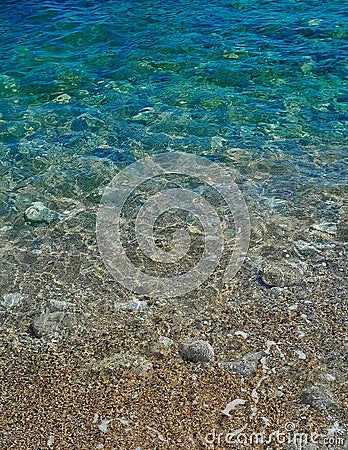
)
(88, 87)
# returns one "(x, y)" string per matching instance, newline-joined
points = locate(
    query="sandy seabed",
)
(59, 389)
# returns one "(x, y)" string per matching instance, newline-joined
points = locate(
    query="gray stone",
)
(141, 366)
(10, 300)
(165, 341)
(162, 347)
(307, 248)
(38, 212)
(278, 291)
(282, 273)
(245, 366)
(50, 326)
(122, 361)
(197, 350)
(54, 305)
(131, 305)
(325, 227)
(318, 396)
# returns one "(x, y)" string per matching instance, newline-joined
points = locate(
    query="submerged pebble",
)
(244, 366)
(53, 305)
(281, 274)
(38, 212)
(162, 347)
(308, 248)
(122, 361)
(197, 350)
(10, 300)
(325, 227)
(131, 305)
(318, 396)
(50, 326)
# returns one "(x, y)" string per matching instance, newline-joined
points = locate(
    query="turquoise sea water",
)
(87, 87)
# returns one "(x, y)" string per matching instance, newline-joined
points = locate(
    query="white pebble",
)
(103, 426)
(300, 354)
(232, 405)
(329, 377)
(241, 333)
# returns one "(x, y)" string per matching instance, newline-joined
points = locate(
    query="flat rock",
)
(325, 227)
(197, 350)
(50, 325)
(122, 361)
(318, 396)
(54, 305)
(312, 247)
(244, 366)
(162, 347)
(282, 273)
(10, 300)
(39, 213)
(131, 305)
